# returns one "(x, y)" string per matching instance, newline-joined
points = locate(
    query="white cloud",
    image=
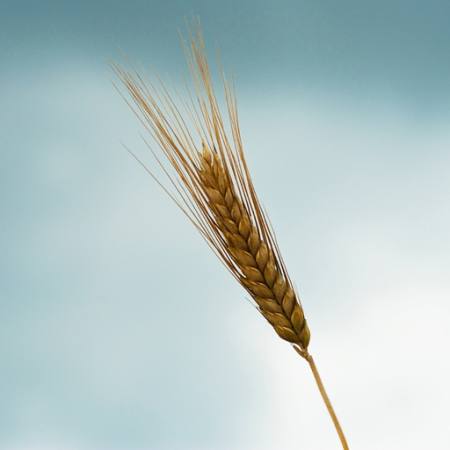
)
(119, 346)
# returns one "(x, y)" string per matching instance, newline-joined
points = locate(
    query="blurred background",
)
(119, 329)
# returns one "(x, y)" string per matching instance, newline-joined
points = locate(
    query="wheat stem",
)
(324, 395)
(327, 402)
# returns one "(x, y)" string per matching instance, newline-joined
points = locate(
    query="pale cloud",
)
(112, 343)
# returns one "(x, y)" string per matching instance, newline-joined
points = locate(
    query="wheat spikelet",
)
(257, 266)
(216, 191)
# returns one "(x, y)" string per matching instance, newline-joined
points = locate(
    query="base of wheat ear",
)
(211, 183)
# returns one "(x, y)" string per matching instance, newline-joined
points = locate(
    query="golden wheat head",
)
(213, 187)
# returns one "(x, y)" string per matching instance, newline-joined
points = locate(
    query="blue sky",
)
(109, 339)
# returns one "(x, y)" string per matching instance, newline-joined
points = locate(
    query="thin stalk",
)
(325, 397)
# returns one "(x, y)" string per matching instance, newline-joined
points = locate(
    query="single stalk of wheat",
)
(212, 185)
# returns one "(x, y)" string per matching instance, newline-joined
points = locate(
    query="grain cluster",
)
(210, 181)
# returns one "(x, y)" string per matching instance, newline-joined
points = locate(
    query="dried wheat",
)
(212, 185)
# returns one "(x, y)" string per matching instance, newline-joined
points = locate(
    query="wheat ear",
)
(212, 185)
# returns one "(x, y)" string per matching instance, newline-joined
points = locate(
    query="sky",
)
(119, 329)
